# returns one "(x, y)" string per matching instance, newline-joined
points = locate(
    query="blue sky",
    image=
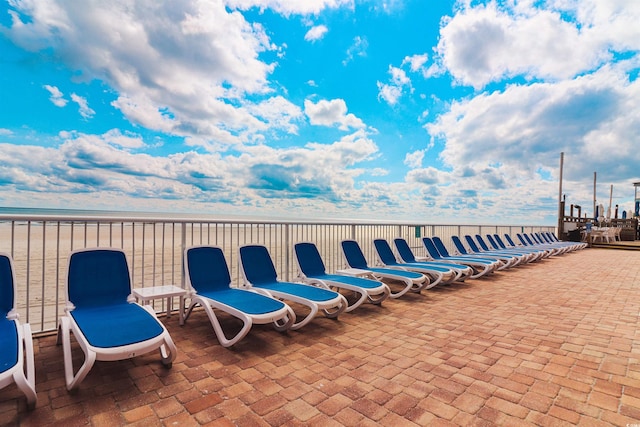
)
(412, 110)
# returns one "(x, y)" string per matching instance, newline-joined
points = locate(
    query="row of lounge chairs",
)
(108, 325)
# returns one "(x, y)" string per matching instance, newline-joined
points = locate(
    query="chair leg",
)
(217, 328)
(286, 322)
(64, 335)
(27, 383)
(335, 312)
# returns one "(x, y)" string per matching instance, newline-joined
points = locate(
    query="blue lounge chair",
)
(506, 261)
(387, 258)
(480, 266)
(509, 259)
(552, 238)
(207, 274)
(407, 256)
(16, 343)
(353, 256)
(530, 255)
(103, 316)
(535, 253)
(511, 244)
(260, 274)
(311, 270)
(528, 243)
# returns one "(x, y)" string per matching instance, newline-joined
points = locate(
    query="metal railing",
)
(40, 246)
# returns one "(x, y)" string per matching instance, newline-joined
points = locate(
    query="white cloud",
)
(414, 160)
(428, 176)
(316, 33)
(392, 91)
(416, 62)
(358, 48)
(84, 109)
(291, 7)
(278, 113)
(57, 97)
(502, 139)
(147, 51)
(488, 43)
(330, 113)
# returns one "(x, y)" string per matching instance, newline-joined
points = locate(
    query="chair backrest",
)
(482, 243)
(206, 268)
(7, 285)
(472, 243)
(98, 277)
(353, 254)
(528, 239)
(404, 250)
(309, 259)
(257, 264)
(385, 253)
(510, 240)
(499, 241)
(524, 242)
(440, 246)
(431, 248)
(459, 245)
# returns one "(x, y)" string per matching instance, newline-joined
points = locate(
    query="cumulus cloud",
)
(83, 106)
(147, 51)
(115, 164)
(291, 7)
(487, 43)
(501, 140)
(414, 160)
(57, 97)
(331, 113)
(416, 62)
(316, 33)
(392, 91)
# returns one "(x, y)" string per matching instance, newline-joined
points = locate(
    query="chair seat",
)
(304, 291)
(355, 281)
(116, 325)
(8, 344)
(245, 301)
(400, 273)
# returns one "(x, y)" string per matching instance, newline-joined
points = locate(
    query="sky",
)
(420, 111)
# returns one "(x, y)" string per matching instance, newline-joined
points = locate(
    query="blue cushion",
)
(6, 286)
(8, 344)
(309, 259)
(401, 273)
(208, 269)
(245, 301)
(98, 277)
(354, 281)
(258, 266)
(116, 325)
(354, 254)
(304, 291)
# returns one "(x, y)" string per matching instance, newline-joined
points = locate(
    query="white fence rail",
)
(40, 246)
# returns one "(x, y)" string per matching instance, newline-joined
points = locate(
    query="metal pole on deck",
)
(560, 207)
(594, 195)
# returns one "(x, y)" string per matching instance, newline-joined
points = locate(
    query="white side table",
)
(144, 295)
(355, 272)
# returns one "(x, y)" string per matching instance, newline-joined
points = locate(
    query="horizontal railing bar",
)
(40, 245)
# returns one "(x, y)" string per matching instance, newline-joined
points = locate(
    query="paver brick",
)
(527, 351)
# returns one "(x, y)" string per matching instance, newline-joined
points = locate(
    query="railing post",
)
(183, 245)
(287, 251)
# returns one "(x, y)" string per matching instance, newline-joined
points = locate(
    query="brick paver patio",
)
(549, 344)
